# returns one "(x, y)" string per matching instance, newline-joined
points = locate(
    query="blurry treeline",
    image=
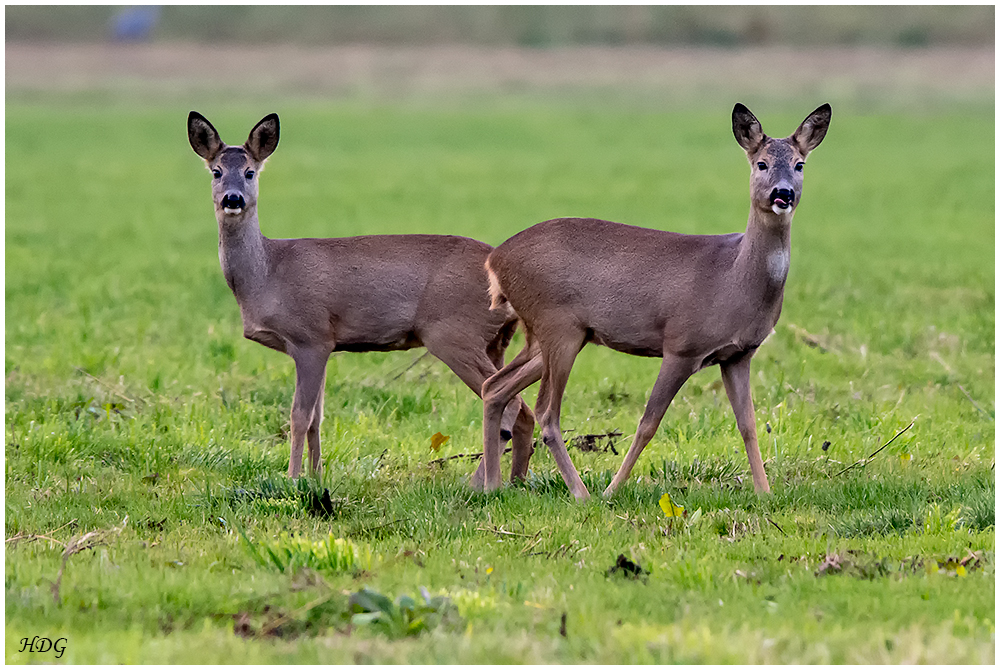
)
(531, 26)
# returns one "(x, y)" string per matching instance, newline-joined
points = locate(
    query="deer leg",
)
(673, 373)
(558, 363)
(521, 432)
(736, 378)
(310, 372)
(312, 435)
(498, 391)
(522, 442)
(495, 351)
(473, 368)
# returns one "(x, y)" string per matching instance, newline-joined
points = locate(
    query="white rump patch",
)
(777, 265)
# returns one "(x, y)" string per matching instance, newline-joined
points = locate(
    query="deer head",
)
(234, 168)
(777, 164)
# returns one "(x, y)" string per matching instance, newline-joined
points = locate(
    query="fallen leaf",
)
(437, 439)
(669, 508)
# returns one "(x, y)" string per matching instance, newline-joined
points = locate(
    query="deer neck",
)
(242, 254)
(764, 254)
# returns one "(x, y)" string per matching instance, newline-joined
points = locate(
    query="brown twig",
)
(91, 540)
(974, 403)
(105, 384)
(771, 521)
(865, 461)
(31, 537)
(411, 365)
(450, 458)
(498, 530)
(267, 629)
(936, 356)
(528, 547)
(810, 339)
(588, 442)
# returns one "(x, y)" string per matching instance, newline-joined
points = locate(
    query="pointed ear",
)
(203, 137)
(747, 129)
(263, 138)
(812, 131)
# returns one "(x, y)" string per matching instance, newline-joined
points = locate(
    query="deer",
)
(692, 300)
(311, 297)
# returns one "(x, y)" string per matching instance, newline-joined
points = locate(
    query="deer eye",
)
(761, 165)
(799, 166)
(249, 175)
(216, 172)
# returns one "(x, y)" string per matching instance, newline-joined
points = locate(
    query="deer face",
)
(777, 165)
(234, 168)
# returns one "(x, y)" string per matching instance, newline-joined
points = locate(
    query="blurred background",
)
(672, 56)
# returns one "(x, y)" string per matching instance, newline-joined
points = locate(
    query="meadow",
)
(148, 518)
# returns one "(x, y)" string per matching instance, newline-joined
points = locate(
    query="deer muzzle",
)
(233, 203)
(782, 198)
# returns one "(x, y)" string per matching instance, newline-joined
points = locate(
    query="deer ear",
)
(747, 129)
(263, 138)
(203, 137)
(812, 131)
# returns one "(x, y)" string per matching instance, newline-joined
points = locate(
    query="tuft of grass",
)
(291, 553)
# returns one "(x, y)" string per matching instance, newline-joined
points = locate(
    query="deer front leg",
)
(517, 426)
(522, 440)
(673, 373)
(312, 435)
(736, 378)
(310, 373)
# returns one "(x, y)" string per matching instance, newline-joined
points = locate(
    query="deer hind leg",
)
(469, 362)
(673, 373)
(518, 423)
(558, 362)
(310, 373)
(736, 378)
(498, 391)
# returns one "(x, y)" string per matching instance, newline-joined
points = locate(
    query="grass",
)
(131, 394)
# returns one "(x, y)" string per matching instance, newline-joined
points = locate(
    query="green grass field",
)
(130, 394)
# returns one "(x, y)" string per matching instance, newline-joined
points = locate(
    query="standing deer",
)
(694, 300)
(311, 297)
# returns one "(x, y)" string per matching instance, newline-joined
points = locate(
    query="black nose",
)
(782, 197)
(233, 201)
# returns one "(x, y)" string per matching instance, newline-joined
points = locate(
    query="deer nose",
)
(233, 200)
(783, 197)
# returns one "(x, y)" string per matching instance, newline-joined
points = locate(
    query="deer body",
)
(310, 297)
(409, 282)
(694, 300)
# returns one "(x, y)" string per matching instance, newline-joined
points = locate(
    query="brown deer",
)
(694, 300)
(310, 297)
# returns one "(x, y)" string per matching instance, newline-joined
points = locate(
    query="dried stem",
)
(865, 461)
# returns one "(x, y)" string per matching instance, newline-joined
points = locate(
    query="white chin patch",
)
(779, 211)
(230, 210)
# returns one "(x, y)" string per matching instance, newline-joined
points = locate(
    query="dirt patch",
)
(674, 76)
